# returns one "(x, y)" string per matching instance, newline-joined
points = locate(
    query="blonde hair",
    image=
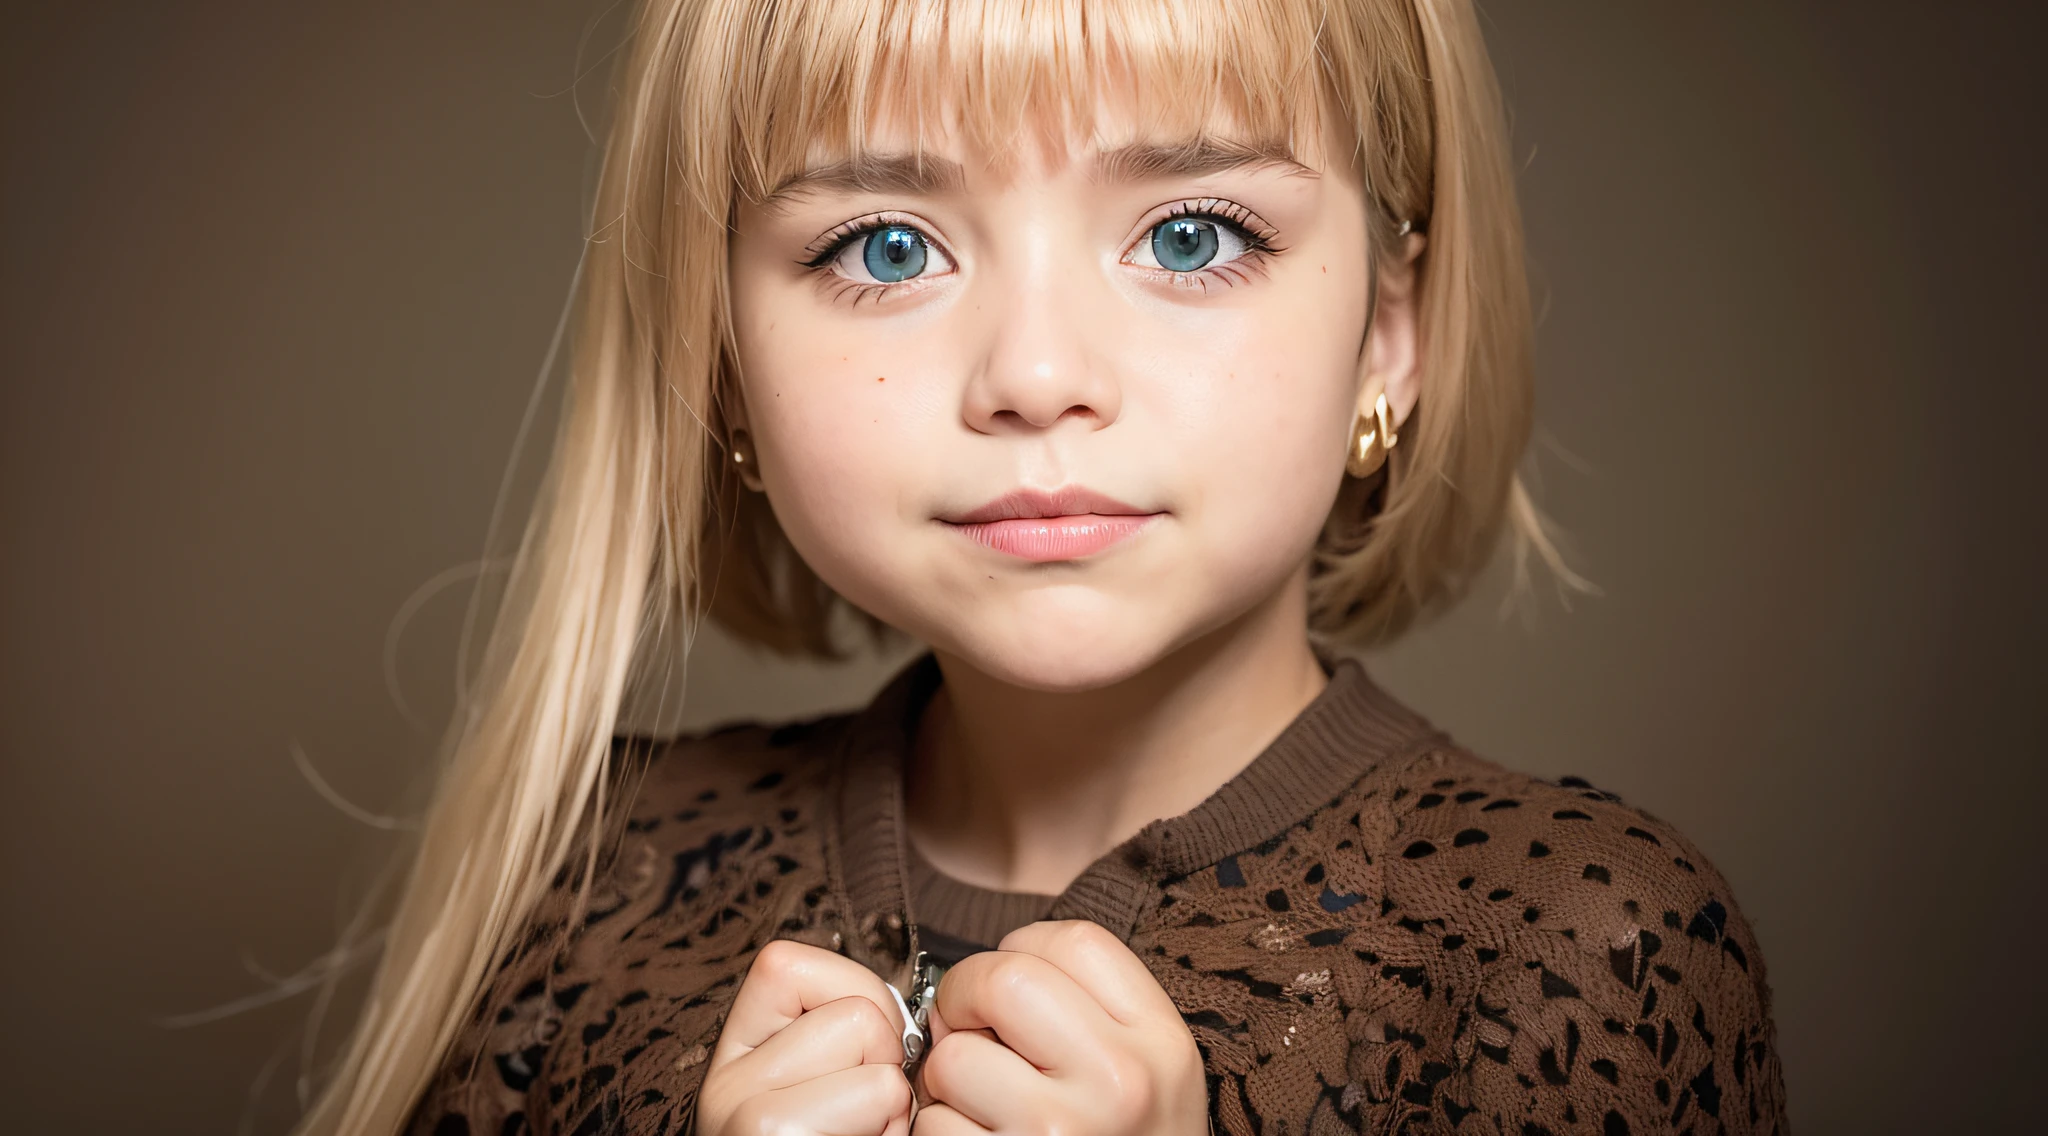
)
(641, 526)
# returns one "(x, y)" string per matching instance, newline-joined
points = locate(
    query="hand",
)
(813, 1044)
(1060, 1029)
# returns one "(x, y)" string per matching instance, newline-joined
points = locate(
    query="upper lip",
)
(1067, 502)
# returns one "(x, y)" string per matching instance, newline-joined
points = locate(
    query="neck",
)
(1020, 790)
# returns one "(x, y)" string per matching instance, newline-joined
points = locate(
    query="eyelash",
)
(820, 254)
(1259, 243)
(821, 251)
(1258, 238)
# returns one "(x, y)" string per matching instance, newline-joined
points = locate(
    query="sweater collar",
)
(1347, 731)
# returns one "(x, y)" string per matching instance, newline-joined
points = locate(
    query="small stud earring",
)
(1371, 437)
(742, 446)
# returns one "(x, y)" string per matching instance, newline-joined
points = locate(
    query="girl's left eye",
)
(886, 254)
(1190, 244)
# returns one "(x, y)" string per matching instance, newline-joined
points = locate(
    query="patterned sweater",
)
(1368, 929)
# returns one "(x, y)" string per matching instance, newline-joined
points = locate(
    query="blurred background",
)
(279, 279)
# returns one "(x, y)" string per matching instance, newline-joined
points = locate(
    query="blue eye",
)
(1184, 244)
(894, 253)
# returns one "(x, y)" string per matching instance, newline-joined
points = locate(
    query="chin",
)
(1059, 647)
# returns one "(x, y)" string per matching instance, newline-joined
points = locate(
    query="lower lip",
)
(1047, 539)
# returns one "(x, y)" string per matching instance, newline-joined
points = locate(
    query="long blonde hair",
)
(640, 527)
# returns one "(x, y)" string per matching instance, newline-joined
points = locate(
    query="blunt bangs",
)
(816, 80)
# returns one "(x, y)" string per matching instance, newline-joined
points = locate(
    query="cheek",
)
(842, 419)
(1256, 413)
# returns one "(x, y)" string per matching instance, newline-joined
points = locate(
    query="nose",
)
(1038, 367)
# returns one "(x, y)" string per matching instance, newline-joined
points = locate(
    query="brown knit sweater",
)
(1367, 930)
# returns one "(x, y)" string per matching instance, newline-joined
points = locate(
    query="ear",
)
(739, 441)
(1393, 359)
(732, 403)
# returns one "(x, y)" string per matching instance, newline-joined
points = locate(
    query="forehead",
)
(831, 82)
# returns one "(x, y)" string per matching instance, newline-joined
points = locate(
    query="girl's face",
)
(1056, 413)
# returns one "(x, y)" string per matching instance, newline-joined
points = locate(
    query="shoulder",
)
(1560, 858)
(715, 805)
(1459, 939)
(1608, 966)
(703, 805)
(736, 774)
(719, 847)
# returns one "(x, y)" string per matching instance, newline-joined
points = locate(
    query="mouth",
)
(1042, 527)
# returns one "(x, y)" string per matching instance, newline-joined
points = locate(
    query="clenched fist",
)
(813, 1045)
(1061, 1029)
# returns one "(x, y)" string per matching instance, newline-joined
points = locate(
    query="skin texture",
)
(1043, 347)
(1060, 1029)
(813, 1044)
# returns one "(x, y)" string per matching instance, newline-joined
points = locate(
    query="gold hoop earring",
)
(1371, 437)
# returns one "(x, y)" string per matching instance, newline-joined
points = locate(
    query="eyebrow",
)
(907, 174)
(1151, 162)
(924, 175)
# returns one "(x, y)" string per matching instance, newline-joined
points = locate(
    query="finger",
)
(943, 1120)
(982, 1078)
(786, 981)
(837, 1035)
(940, 1032)
(1100, 964)
(1032, 1006)
(936, 1025)
(865, 1100)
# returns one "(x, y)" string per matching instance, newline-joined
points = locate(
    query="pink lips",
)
(1064, 525)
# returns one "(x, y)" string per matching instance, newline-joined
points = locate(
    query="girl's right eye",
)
(888, 253)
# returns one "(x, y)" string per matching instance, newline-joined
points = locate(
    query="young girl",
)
(1129, 353)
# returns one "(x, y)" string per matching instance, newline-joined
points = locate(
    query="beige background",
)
(278, 279)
